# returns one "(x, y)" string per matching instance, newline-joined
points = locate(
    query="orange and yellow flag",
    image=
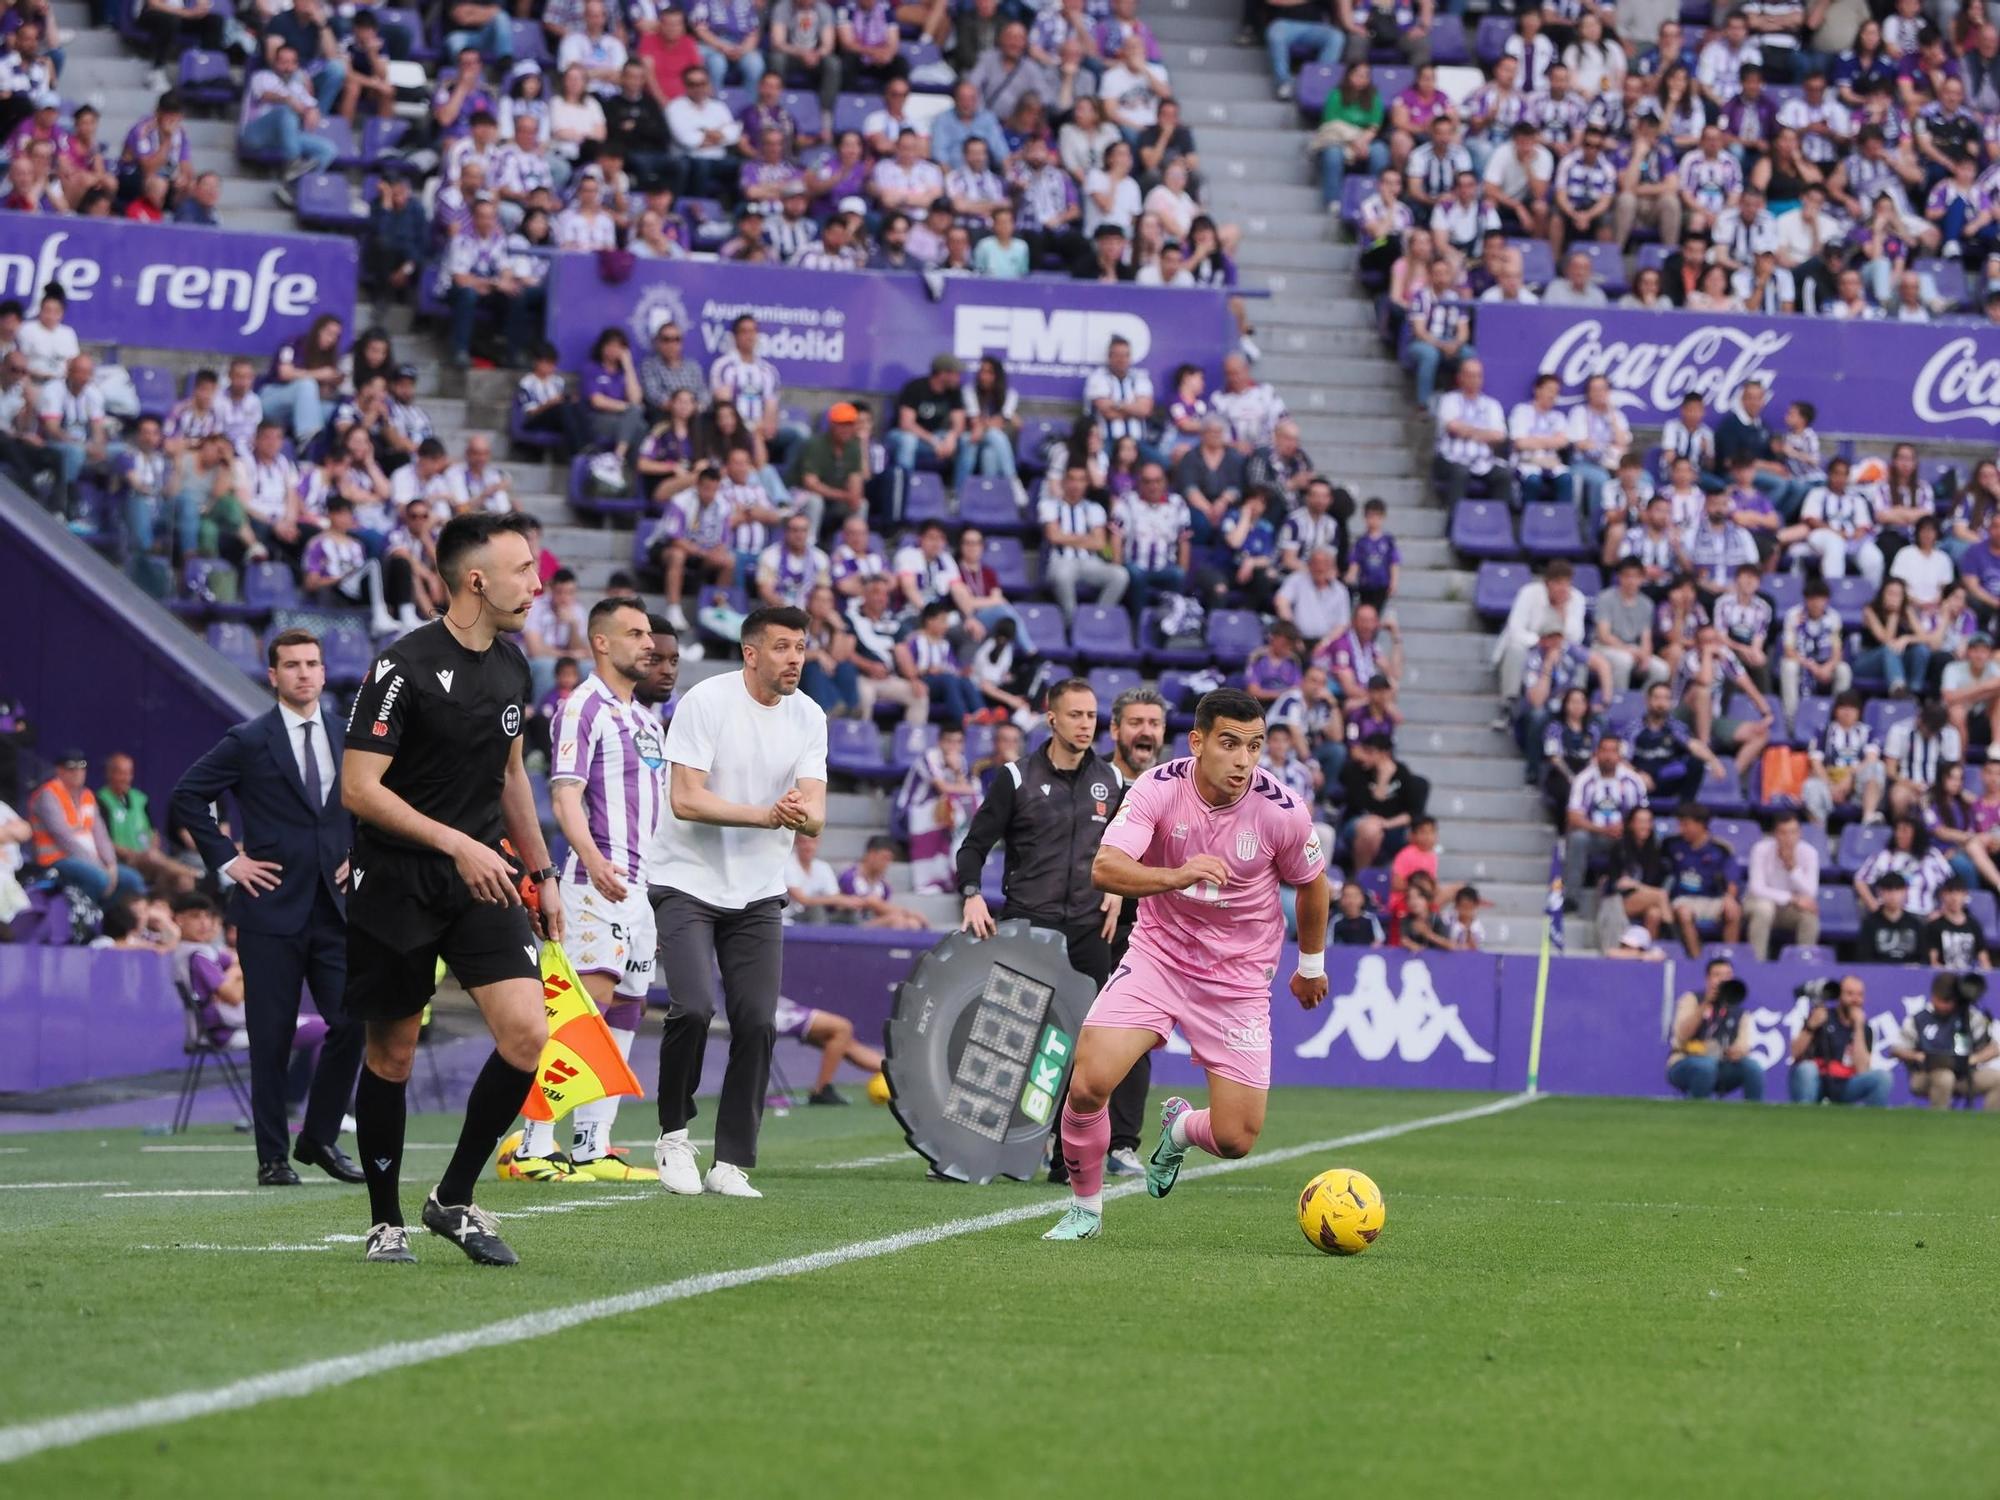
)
(581, 1062)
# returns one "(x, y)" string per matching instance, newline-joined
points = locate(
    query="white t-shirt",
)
(48, 352)
(1927, 577)
(753, 755)
(819, 880)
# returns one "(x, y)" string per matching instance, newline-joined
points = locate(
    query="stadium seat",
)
(1784, 590)
(421, 49)
(1160, 654)
(205, 79)
(238, 644)
(1883, 714)
(1031, 444)
(323, 200)
(1352, 196)
(348, 651)
(1004, 555)
(1738, 833)
(850, 111)
(854, 747)
(1813, 834)
(978, 742)
(1448, 44)
(1805, 953)
(1984, 909)
(1589, 580)
(1860, 843)
(1109, 682)
(155, 388)
(1839, 913)
(907, 742)
(1103, 634)
(1550, 530)
(1044, 622)
(1628, 708)
(1538, 261)
(382, 140)
(1494, 590)
(584, 498)
(1489, 42)
(1810, 720)
(1179, 691)
(987, 501)
(268, 586)
(924, 499)
(1849, 597)
(1723, 793)
(1315, 82)
(1233, 634)
(1483, 529)
(1607, 264)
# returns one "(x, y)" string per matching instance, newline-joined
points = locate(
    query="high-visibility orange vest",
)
(79, 812)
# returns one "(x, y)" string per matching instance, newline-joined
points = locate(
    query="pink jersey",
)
(1231, 935)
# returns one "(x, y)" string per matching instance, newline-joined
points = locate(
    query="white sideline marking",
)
(867, 1161)
(246, 1147)
(255, 1192)
(13, 1150)
(327, 1242)
(235, 1248)
(28, 1438)
(18, 1187)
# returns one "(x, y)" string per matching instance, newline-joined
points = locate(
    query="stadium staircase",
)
(1357, 416)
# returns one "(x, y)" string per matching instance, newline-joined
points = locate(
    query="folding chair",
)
(199, 1049)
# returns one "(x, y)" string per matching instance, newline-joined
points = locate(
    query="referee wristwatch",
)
(544, 875)
(967, 892)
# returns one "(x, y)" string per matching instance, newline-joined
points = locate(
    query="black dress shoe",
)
(276, 1174)
(329, 1158)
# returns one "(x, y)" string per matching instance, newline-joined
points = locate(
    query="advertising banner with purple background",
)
(1887, 379)
(876, 329)
(171, 287)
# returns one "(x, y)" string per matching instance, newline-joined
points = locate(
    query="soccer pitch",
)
(1572, 1297)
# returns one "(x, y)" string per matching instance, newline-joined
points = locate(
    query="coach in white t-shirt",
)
(746, 756)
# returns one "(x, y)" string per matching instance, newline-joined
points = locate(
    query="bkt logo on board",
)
(1035, 341)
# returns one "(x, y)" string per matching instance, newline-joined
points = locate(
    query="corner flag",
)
(580, 1061)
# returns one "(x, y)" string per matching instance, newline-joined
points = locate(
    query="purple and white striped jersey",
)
(616, 750)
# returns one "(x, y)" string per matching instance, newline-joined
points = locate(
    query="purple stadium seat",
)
(421, 49)
(1860, 843)
(1352, 196)
(1985, 910)
(1233, 634)
(1653, 255)
(530, 440)
(200, 579)
(1784, 590)
(1375, 881)
(1104, 634)
(987, 501)
(850, 110)
(382, 140)
(1736, 953)
(1883, 714)
(1176, 688)
(1315, 82)
(1812, 833)
(1109, 682)
(155, 388)
(1538, 261)
(854, 746)
(978, 741)
(1551, 531)
(531, 44)
(238, 644)
(1607, 265)
(1589, 580)
(924, 54)
(1627, 709)
(1044, 622)
(925, 499)
(1810, 720)
(1724, 793)
(268, 586)
(1009, 563)
(1031, 447)
(586, 500)
(1949, 276)
(1166, 656)
(907, 742)
(1839, 913)
(1392, 79)
(1498, 583)
(1490, 41)
(1738, 833)
(1448, 45)
(340, 134)
(205, 78)
(1849, 597)
(348, 651)
(1483, 529)
(1805, 953)
(324, 201)
(804, 109)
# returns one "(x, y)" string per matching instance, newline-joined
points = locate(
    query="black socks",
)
(380, 1115)
(496, 1098)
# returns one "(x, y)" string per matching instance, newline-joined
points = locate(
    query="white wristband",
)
(1312, 966)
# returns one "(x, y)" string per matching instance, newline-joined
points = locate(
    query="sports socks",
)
(538, 1138)
(1194, 1129)
(592, 1122)
(489, 1109)
(1085, 1139)
(380, 1115)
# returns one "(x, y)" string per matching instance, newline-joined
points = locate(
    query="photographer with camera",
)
(1949, 1046)
(1832, 1058)
(1711, 1053)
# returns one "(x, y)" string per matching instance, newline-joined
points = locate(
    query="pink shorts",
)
(1229, 1032)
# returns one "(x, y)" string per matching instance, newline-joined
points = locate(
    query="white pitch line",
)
(253, 1249)
(21, 1187)
(66, 1431)
(255, 1192)
(247, 1147)
(13, 1150)
(867, 1161)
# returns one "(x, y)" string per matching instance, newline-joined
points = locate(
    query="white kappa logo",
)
(445, 678)
(1413, 1025)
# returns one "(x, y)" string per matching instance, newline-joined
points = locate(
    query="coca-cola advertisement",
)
(1892, 380)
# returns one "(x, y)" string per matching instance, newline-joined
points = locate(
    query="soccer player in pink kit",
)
(1207, 841)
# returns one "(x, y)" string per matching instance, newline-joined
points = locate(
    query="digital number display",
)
(1000, 1047)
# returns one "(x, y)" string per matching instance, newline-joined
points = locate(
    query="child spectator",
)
(542, 716)
(541, 397)
(1356, 925)
(1417, 928)
(937, 798)
(866, 885)
(1845, 760)
(1462, 925)
(1274, 670)
(1375, 564)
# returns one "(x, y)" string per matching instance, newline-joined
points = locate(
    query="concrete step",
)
(1281, 167)
(1430, 737)
(1212, 64)
(1241, 201)
(1522, 837)
(87, 45)
(1461, 773)
(1468, 673)
(1250, 114)
(1313, 301)
(1511, 869)
(1433, 630)
(1441, 707)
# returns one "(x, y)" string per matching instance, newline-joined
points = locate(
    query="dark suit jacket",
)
(276, 821)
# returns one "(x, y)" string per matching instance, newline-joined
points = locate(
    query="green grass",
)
(1580, 1297)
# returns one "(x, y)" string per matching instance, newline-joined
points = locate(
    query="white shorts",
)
(607, 937)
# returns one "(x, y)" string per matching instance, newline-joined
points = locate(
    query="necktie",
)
(315, 793)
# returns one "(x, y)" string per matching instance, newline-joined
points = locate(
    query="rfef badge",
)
(978, 1050)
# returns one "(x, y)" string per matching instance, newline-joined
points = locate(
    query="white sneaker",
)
(408, 618)
(675, 614)
(1249, 347)
(674, 1154)
(1124, 1162)
(728, 1181)
(156, 81)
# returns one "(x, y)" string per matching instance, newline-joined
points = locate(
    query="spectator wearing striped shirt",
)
(1601, 798)
(1586, 192)
(1121, 398)
(742, 375)
(1702, 682)
(1910, 856)
(1076, 536)
(196, 417)
(926, 657)
(1472, 428)
(1440, 333)
(694, 529)
(1252, 407)
(1711, 179)
(1153, 532)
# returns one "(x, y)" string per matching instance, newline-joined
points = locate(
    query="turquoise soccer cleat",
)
(1077, 1223)
(1163, 1167)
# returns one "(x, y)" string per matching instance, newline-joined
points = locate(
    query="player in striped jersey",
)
(607, 778)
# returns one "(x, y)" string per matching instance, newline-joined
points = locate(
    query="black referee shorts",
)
(394, 942)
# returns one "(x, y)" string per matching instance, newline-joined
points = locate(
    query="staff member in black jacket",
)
(289, 902)
(1050, 810)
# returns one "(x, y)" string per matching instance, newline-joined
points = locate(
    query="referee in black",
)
(1049, 811)
(434, 778)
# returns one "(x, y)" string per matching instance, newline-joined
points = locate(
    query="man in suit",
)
(288, 902)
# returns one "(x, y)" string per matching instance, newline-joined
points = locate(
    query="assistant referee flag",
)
(580, 1061)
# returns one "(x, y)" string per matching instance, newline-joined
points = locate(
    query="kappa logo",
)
(383, 668)
(445, 678)
(1412, 1025)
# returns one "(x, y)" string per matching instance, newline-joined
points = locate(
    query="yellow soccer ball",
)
(1342, 1211)
(878, 1089)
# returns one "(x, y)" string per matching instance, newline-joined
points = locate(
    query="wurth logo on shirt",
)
(380, 728)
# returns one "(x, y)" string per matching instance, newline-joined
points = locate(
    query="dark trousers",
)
(1091, 956)
(748, 945)
(275, 969)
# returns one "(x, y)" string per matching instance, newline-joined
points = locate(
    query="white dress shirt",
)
(294, 722)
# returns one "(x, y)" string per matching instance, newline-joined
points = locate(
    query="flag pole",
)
(1552, 944)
